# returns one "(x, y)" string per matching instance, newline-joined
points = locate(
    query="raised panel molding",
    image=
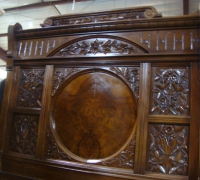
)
(170, 91)
(30, 88)
(24, 132)
(168, 149)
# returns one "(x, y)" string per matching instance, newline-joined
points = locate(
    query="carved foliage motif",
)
(96, 46)
(52, 149)
(100, 18)
(125, 159)
(131, 75)
(61, 74)
(147, 12)
(30, 88)
(24, 134)
(170, 91)
(168, 149)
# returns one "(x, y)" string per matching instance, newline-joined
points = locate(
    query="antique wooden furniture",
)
(106, 95)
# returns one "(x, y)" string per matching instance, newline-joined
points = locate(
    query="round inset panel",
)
(94, 115)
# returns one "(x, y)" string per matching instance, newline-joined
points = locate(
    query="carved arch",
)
(101, 44)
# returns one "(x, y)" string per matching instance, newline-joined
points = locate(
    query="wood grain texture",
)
(44, 114)
(94, 107)
(54, 170)
(142, 121)
(194, 134)
(10, 110)
(169, 119)
(99, 55)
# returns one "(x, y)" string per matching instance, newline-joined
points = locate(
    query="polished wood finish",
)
(106, 95)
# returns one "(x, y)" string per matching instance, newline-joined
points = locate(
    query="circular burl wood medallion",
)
(94, 116)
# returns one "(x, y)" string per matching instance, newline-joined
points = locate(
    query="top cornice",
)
(146, 12)
(131, 19)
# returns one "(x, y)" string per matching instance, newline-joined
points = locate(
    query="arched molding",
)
(98, 44)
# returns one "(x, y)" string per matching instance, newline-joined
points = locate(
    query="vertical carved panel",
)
(170, 91)
(30, 88)
(125, 159)
(168, 149)
(131, 75)
(52, 149)
(24, 134)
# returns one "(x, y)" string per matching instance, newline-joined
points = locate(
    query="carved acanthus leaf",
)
(99, 46)
(24, 134)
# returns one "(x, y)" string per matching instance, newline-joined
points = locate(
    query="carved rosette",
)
(52, 149)
(98, 46)
(30, 88)
(125, 159)
(24, 134)
(170, 91)
(131, 75)
(61, 74)
(168, 149)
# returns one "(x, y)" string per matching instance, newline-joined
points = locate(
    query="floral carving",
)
(30, 88)
(131, 75)
(52, 149)
(170, 91)
(61, 75)
(24, 134)
(125, 159)
(168, 149)
(100, 45)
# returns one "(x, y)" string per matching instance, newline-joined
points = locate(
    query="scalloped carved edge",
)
(146, 12)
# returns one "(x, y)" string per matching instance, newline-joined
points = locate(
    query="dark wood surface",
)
(106, 95)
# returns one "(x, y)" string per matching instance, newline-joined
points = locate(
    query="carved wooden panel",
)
(30, 88)
(61, 74)
(24, 133)
(125, 159)
(134, 13)
(131, 75)
(99, 46)
(90, 112)
(168, 149)
(52, 148)
(170, 91)
(153, 42)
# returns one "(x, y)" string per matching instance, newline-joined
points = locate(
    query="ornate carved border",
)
(147, 12)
